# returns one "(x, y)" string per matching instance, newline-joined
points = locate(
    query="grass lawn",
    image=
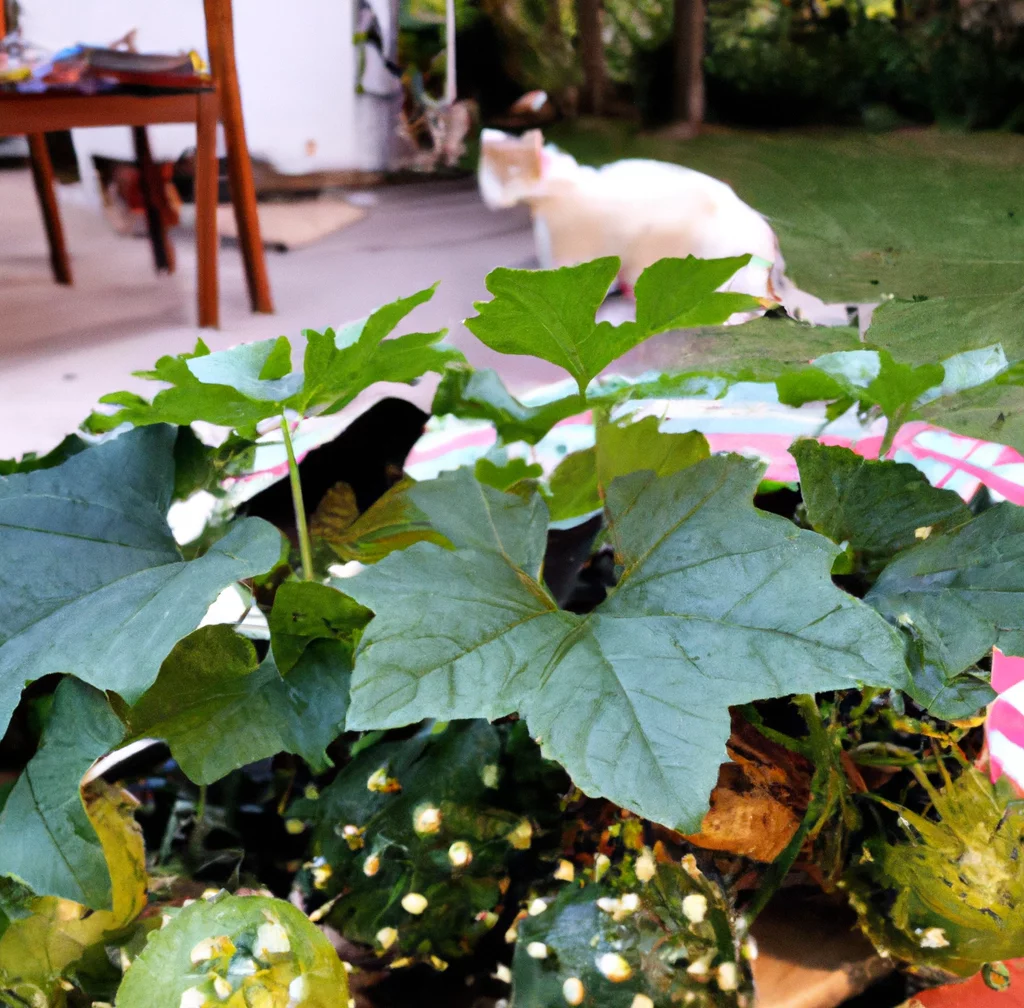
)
(913, 213)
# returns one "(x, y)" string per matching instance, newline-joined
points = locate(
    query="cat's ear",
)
(534, 140)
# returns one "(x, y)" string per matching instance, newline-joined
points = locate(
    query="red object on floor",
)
(975, 994)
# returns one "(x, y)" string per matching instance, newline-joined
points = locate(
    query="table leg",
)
(206, 210)
(42, 176)
(152, 199)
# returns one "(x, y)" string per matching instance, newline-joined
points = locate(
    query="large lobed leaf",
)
(718, 604)
(878, 507)
(93, 583)
(957, 595)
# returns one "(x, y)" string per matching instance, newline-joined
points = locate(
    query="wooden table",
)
(36, 114)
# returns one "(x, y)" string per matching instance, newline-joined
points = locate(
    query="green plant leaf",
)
(958, 594)
(339, 366)
(305, 611)
(30, 461)
(924, 331)
(503, 477)
(718, 604)
(898, 386)
(551, 313)
(480, 395)
(188, 399)
(573, 488)
(93, 583)
(579, 482)
(219, 708)
(273, 957)
(260, 371)
(239, 387)
(990, 412)
(876, 507)
(392, 522)
(871, 377)
(45, 834)
(683, 294)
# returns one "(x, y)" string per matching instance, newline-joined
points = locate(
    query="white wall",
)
(296, 67)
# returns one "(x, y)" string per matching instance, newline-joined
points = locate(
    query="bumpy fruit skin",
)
(621, 941)
(946, 897)
(426, 862)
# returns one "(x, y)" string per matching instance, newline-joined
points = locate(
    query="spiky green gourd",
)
(947, 896)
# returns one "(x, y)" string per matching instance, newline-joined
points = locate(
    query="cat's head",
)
(510, 167)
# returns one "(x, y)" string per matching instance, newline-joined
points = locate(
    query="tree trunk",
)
(591, 47)
(688, 58)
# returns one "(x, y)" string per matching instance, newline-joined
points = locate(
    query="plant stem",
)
(305, 550)
(892, 428)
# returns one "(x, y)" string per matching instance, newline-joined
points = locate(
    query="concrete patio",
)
(61, 348)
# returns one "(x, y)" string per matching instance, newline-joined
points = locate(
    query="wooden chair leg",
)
(149, 185)
(42, 176)
(220, 35)
(206, 210)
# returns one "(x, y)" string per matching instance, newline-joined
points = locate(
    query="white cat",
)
(640, 211)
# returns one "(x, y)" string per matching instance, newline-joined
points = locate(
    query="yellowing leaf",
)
(335, 512)
(393, 522)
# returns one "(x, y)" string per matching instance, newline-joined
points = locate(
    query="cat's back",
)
(653, 180)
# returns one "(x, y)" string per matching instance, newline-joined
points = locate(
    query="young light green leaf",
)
(959, 593)
(897, 386)
(218, 708)
(579, 483)
(338, 367)
(480, 395)
(188, 399)
(45, 834)
(238, 388)
(93, 583)
(551, 313)
(272, 955)
(879, 508)
(548, 314)
(718, 604)
(684, 294)
(261, 371)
